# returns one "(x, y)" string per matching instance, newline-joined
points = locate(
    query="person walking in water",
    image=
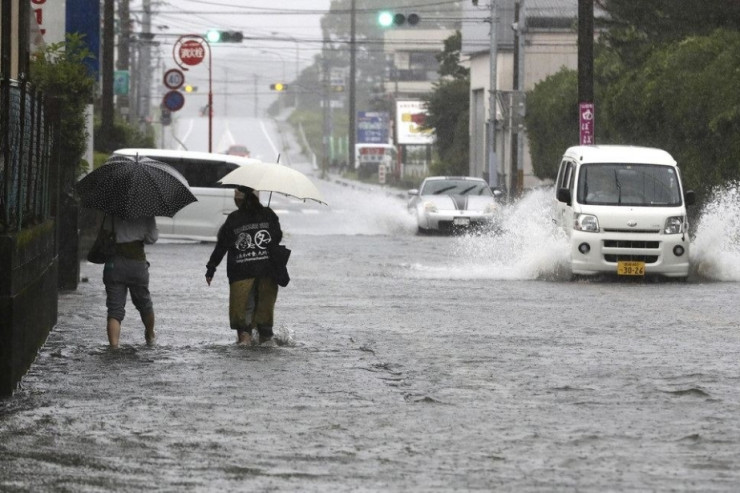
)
(128, 272)
(248, 234)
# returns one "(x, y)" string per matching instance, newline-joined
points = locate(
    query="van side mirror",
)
(689, 197)
(564, 195)
(413, 191)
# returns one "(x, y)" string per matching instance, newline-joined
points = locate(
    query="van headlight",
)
(430, 207)
(587, 222)
(674, 225)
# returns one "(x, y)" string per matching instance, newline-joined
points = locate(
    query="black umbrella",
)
(135, 187)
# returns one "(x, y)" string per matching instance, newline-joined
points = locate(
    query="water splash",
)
(527, 246)
(358, 209)
(715, 251)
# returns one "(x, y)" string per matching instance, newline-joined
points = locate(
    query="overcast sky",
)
(277, 40)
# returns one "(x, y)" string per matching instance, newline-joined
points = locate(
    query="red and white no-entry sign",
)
(192, 52)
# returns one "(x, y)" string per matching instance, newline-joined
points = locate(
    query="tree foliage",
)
(664, 76)
(448, 111)
(635, 27)
(448, 114)
(552, 120)
(59, 72)
(685, 99)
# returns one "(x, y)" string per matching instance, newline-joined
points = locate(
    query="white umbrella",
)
(274, 177)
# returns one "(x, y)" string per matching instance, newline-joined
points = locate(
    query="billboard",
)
(372, 127)
(410, 117)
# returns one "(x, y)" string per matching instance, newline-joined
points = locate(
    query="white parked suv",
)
(202, 219)
(623, 209)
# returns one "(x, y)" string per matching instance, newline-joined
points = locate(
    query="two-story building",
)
(549, 41)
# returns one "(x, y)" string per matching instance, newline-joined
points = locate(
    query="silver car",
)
(453, 203)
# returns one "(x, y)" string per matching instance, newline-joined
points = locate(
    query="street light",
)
(282, 60)
(297, 58)
(297, 51)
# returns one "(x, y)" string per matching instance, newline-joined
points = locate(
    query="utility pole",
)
(586, 71)
(326, 107)
(123, 53)
(492, 161)
(352, 90)
(518, 111)
(106, 104)
(145, 62)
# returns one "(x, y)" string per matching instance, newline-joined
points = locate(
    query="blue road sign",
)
(173, 100)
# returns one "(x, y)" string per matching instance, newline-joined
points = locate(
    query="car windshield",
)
(628, 184)
(455, 187)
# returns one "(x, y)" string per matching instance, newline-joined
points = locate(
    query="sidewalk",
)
(195, 412)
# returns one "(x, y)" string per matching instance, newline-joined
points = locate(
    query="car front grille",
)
(631, 250)
(631, 244)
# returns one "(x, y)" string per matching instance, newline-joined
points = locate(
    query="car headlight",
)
(430, 207)
(587, 222)
(491, 208)
(674, 225)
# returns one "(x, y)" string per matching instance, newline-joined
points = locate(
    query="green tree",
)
(685, 99)
(635, 27)
(552, 120)
(60, 73)
(448, 111)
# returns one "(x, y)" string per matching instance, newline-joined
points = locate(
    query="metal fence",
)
(25, 156)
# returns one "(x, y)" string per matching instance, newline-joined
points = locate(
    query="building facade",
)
(534, 39)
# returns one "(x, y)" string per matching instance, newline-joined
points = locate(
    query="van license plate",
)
(630, 268)
(461, 221)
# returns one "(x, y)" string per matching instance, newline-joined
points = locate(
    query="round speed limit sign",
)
(174, 79)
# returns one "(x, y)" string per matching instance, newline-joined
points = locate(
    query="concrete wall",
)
(28, 299)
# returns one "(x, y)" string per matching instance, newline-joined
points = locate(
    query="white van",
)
(202, 219)
(623, 209)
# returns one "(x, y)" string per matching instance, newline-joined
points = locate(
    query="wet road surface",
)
(406, 363)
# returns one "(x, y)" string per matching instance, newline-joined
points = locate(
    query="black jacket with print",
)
(247, 236)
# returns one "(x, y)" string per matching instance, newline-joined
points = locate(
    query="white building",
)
(550, 42)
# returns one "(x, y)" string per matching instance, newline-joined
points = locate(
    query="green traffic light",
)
(385, 18)
(213, 36)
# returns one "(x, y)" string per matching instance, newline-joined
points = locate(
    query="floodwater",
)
(405, 363)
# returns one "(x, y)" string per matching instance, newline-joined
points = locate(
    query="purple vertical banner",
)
(83, 17)
(587, 116)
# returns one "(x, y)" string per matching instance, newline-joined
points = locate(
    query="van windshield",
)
(628, 184)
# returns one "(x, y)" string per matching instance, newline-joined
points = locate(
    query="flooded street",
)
(405, 363)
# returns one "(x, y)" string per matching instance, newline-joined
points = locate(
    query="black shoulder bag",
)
(105, 244)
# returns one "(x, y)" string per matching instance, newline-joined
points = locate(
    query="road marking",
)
(267, 135)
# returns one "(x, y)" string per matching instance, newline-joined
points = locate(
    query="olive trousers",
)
(252, 304)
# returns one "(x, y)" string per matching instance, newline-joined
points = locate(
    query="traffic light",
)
(189, 88)
(279, 86)
(218, 36)
(166, 117)
(387, 18)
